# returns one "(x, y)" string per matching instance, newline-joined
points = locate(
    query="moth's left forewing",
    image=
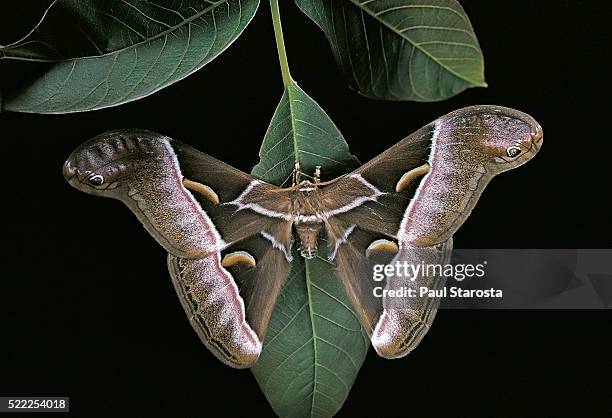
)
(386, 170)
(468, 148)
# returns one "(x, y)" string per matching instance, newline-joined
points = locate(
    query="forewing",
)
(245, 206)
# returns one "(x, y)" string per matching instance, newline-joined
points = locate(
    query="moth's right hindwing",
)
(186, 201)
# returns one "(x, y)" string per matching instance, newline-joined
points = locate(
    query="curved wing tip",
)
(390, 349)
(244, 362)
(391, 340)
(246, 356)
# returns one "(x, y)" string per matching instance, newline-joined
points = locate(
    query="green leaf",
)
(102, 53)
(315, 345)
(421, 50)
(301, 131)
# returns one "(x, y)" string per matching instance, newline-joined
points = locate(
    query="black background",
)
(88, 311)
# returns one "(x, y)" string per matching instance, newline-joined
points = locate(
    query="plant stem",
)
(280, 43)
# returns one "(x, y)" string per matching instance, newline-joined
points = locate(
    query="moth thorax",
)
(308, 232)
(306, 186)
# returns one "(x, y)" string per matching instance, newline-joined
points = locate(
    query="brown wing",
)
(405, 320)
(244, 206)
(347, 247)
(419, 192)
(366, 204)
(367, 197)
(213, 305)
(198, 208)
(261, 284)
(254, 220)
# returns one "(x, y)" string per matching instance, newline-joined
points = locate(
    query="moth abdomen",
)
(308, 233)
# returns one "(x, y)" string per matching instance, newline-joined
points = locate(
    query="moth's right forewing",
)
(141, 169)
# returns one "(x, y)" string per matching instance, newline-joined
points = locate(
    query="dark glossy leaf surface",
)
(421, 50)
(105, 53)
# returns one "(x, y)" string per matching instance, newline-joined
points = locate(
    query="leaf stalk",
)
(280, 43)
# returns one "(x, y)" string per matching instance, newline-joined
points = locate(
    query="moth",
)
(222, 227)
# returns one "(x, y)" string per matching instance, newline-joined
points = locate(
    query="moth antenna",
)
(297, 173)
(317, 174)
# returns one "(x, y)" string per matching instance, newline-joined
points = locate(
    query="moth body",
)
(308, 217)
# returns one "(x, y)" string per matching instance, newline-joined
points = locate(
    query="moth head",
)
(97, 166)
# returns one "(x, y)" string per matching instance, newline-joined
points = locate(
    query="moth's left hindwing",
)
(197, 208)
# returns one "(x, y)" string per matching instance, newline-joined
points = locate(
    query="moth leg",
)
(202, 189)
(382, 245)
(412, 175)
(317, 175)
(238, 257)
